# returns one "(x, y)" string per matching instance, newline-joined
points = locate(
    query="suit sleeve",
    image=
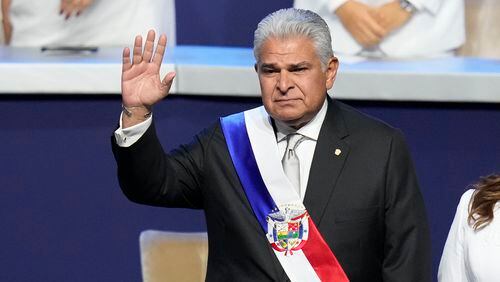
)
(147, 175)
(407, 243)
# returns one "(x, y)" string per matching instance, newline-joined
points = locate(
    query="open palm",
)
(141, 84)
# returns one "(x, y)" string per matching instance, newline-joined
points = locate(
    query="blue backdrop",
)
(63, 217)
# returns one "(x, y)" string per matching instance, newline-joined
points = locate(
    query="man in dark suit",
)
(351, 211)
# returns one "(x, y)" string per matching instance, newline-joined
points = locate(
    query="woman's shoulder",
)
(466, 198)
(464, 204)
(467, 195)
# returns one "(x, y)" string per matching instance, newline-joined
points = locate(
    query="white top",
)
(438, 26)
(470, 255)
(104, 23)
(305, 151)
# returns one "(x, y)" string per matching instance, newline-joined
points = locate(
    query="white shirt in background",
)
(38, 23)
(469, 255)
(435, 29)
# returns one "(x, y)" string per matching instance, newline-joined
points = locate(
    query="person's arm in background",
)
(6, 24)
(360, 20)
(74, 7)
(394, 15)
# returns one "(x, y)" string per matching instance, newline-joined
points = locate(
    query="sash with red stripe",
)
(297, 243)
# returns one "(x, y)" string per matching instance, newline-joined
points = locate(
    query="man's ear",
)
(331, 72)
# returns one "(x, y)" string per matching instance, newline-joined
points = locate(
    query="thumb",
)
(167, 82)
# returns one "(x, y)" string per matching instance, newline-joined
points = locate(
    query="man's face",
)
(292, 82)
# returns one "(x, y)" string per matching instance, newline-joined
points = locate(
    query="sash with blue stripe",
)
(245, 133)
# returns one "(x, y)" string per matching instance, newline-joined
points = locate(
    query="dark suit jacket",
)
(365, 202)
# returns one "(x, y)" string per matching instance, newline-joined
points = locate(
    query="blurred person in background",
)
(84, 22)
(472, 250)
(5, 27)
(392, 28)
(482, 28)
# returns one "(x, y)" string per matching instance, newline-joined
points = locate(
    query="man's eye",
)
(269, 70)
(299, 69)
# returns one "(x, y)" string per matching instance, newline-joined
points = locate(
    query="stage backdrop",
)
(64, 218)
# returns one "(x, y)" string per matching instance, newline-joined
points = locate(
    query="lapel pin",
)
(337, 152)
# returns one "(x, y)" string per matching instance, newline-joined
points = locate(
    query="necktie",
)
(290, 161)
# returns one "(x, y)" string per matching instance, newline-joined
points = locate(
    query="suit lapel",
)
(328, 160)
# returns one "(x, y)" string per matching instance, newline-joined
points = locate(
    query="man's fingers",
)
(160, 49)
(148, 48)
(139, 55)
(167, 82)
(137, 50)
(126, 65)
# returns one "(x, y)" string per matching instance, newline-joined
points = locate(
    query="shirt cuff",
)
(334, 4)
(126, 137)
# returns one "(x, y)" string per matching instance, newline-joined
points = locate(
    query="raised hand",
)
(361, 21)
(141, 84)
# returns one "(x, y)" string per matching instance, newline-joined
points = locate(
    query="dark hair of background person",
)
(485, 197)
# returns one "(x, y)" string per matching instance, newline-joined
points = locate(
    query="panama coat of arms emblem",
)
(287, 229)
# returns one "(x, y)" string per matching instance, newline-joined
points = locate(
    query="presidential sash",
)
(297, 243)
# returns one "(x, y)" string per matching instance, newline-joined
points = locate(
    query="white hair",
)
(291, 22)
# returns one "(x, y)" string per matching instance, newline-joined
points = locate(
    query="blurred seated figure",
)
(5, 26)
(483, 29)
(392, 28)
(85, 22)
(472, 250)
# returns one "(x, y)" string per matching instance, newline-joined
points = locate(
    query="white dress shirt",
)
(305, 151)
(436, 28)
(126, 137)
(470, 255)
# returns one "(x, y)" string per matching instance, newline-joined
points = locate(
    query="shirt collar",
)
(309, 130)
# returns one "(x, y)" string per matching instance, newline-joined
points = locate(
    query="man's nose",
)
(285, 82)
